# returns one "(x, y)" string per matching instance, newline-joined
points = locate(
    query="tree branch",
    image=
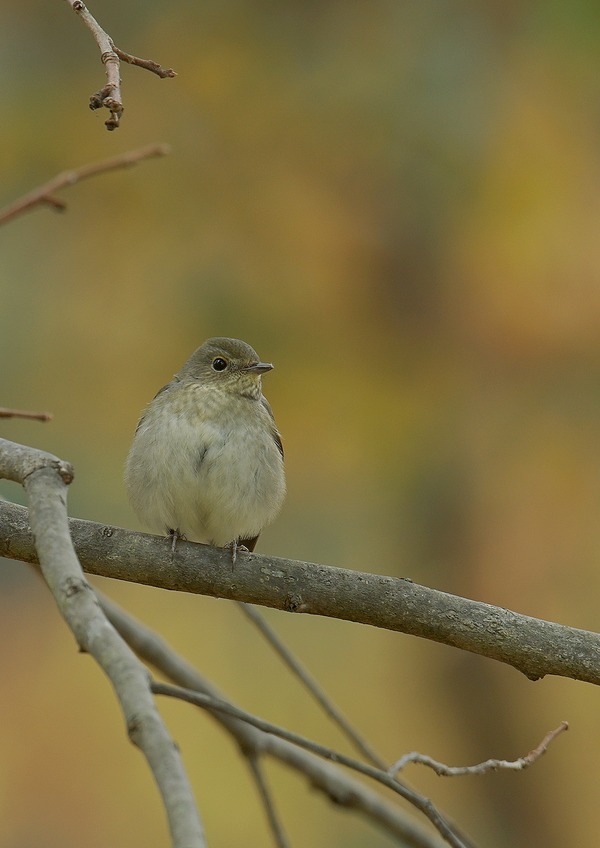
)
(421, 803)
(341, 788)
(109, 95)
(532, 646)
(45, 194)
(45, 479)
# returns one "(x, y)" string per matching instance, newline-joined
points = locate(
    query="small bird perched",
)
(206, 463)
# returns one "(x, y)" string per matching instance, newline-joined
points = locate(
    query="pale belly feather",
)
(205, 474)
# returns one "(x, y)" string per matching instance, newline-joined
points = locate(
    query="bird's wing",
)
(275, 431)
(159, 392)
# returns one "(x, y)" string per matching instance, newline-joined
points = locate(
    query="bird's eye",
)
(219, 364)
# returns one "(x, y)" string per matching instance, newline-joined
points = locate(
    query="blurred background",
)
(398, 204)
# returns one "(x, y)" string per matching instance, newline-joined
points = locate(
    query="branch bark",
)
(45, 479)
(532, 646)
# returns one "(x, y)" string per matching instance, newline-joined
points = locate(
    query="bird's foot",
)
(236, 546)
(175, 535)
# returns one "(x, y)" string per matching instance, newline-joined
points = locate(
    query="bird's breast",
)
(212, 467)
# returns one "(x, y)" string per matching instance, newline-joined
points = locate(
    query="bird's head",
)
(229, 364)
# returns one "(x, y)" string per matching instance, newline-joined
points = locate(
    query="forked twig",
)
(109, 96)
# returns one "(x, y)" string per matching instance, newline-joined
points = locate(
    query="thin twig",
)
(423, 804)
(109, 96)
(23, 413)
(481, 768)
(45, 194)
(279, 836)
(148, 64)
(306, 678)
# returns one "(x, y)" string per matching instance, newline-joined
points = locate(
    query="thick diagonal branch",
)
(45, 479)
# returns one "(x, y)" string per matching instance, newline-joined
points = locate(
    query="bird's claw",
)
(235, 547)
(175, 536)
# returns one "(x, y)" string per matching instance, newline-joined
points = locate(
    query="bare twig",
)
(424, 805)
(148, 64)
(45, 194)
(341, 788)
(316, 690)
(279, 836)
(23, 413)
(109, 96)
(481, 768)
(45, 479)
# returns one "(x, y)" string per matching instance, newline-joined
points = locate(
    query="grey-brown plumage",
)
(206, 461)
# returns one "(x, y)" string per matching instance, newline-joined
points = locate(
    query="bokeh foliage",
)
(398, 204)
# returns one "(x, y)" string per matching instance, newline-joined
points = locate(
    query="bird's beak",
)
(258, 367)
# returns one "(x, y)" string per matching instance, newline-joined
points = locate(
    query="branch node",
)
(74, 586)
(96, 100)
(294, 603)
(133, 728)
(55, 202)
(109, 56)
(65, 471)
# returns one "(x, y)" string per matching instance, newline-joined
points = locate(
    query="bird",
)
(206, 462)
